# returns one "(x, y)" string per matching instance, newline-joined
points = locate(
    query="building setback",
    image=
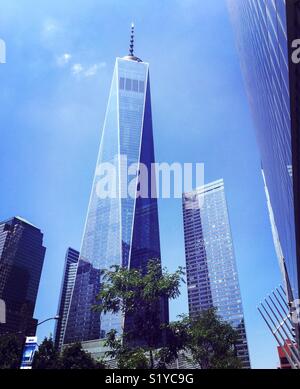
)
(265, 32)
(68, 280)
(212, 277)
(21, 260)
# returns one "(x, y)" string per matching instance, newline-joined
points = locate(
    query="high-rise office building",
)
(21, 261)
(67, 284)
(120, 229)
(212, 277)
(265, 32)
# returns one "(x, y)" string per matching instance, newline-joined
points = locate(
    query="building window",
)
(135, 85)
(122, 83)
(128, 84)
(131, 85)
(141, 86)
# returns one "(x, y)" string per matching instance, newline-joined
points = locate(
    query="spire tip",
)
(131, 56)
(131, 47)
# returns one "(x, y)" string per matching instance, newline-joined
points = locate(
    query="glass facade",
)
(212, 277)
(120, 229)
(21, 261)
(263, 38)
(68, 280)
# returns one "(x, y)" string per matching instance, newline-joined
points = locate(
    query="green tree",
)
(206, 340)
(178, 337)
(210, 341)
(126, 357)
(10, 352)
(74, 357)
(139, 295)
(47, 356)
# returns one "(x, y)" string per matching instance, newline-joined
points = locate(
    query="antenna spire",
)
(131, 56)
(131, 47)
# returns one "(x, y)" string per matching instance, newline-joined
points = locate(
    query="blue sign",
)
(30, 348)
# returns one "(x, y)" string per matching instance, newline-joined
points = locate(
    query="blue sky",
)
(54, 90)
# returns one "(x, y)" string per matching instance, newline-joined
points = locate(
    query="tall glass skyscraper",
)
(265, 33)
(120, 229)
(67, 285)
(212, 277)
(21, 260)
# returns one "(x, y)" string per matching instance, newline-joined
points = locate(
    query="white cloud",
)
(63, 59)
(93, 70)
(50, 28)
(90, 71)
(53, 38)
(77, 69)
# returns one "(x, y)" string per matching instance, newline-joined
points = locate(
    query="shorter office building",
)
(68, 280)
(21, 261)
(212, 277)
(98, 351)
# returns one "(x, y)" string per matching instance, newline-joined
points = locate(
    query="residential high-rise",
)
(21, 261)
(68, 280)
(120, 229)
(266, 32)
(212, 277)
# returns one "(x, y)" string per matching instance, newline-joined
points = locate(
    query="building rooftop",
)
(19, 218)
(25, 221)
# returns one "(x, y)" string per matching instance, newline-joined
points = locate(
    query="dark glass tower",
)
(21, 261)
(68, 280)
(265, 31)
(120, 229)
(212, 277)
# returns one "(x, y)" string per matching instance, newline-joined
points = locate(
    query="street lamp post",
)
(50, 318)
(38, 324)
(30, 346)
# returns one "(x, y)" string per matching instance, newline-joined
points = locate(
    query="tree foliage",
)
(10, 352)
(126, 357)
(47, 356)
(207, 340)
(139, 295)
(212, 341)
(72, 357)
